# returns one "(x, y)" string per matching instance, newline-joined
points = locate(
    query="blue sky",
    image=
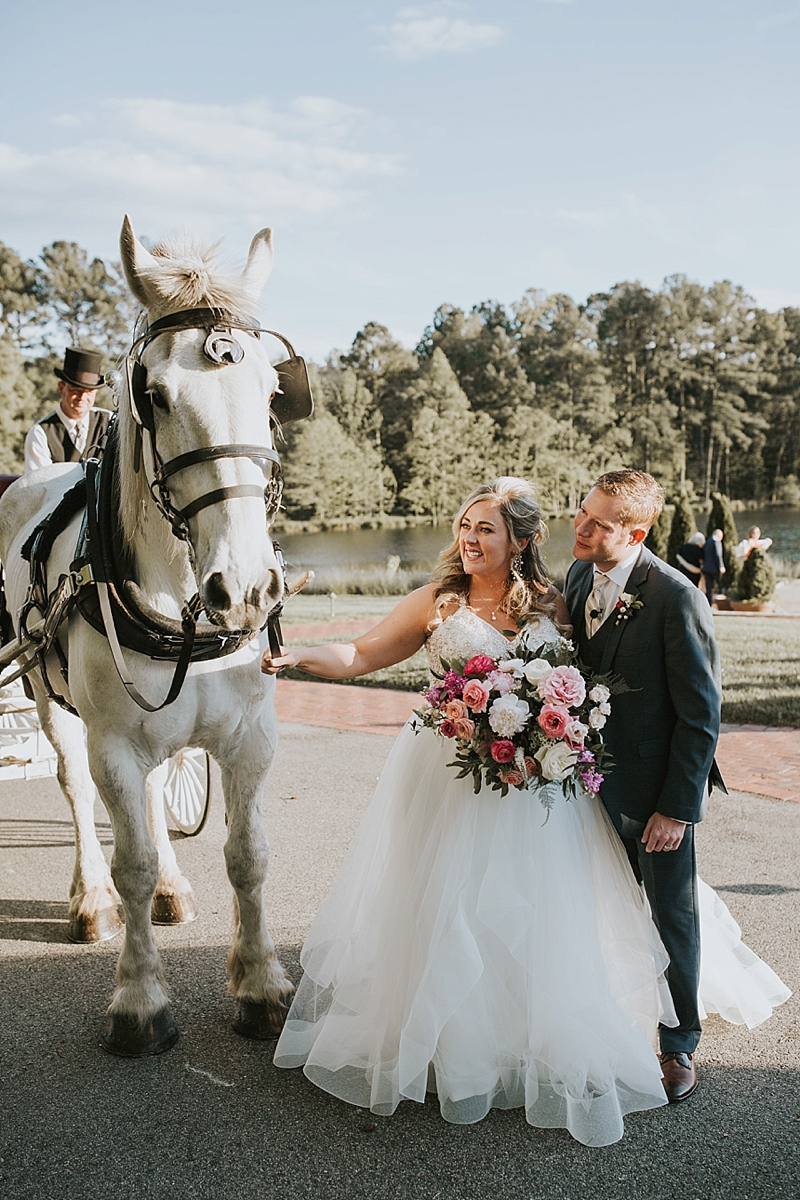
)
(408, 156)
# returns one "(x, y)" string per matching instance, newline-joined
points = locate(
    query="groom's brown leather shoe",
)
(679, 1075)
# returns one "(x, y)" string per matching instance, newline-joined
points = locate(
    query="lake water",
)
(418, 547)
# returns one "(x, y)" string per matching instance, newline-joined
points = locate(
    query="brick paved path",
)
(752, 758)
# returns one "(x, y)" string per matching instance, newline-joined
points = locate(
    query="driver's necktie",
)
(596, 604)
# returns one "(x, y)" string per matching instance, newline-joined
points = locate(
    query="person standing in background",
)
(713, 564)
(73, 432)
(690, 558)
(752, 540)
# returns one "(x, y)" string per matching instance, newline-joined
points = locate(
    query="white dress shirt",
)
(619, 577)
(37, 451)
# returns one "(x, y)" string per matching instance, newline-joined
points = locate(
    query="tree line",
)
(697, 385)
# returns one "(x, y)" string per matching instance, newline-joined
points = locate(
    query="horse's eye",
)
(159, 399)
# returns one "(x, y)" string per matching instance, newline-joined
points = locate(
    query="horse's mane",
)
(185, 275)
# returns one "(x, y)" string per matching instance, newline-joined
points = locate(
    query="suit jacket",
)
(713, 561)
(662, 735)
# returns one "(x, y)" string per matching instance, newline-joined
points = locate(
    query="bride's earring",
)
(516, 565)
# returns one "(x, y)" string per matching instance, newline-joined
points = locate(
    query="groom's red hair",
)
(641, 494)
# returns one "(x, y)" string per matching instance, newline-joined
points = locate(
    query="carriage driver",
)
(71, 433)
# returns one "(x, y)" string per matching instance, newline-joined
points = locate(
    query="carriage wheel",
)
(187, 790)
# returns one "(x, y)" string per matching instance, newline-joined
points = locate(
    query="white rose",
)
(597, 719)
(513, 665)
(605, 709)
(599, 694)
(536, 670)
(508, 715)
(557, 760)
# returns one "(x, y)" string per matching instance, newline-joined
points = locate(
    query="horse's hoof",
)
(128, 1038)
(259, 1020)
(94, 927)
(169, 909)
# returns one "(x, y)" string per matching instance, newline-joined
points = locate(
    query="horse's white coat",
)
(226, 706)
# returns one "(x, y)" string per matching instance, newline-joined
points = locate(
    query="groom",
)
(638, 618)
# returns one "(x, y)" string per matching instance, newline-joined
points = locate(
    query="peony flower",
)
(455, 710)
(508, 715)
(536, 670)
(501, 682)
(563, 685)
(557, 760)
(513, 777)
(480, 664)
(597, 719)
(476, 694)
(503, 751)
(599, 694)
(554, 719)
(513, 665)
(447, 728)
(575, 734)
(464, 728)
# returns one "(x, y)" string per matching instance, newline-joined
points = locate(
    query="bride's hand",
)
(271, 666)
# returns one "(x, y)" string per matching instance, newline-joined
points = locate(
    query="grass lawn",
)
(760, 659)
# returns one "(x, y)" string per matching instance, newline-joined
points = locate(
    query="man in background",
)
(75, 430)
(713, 564)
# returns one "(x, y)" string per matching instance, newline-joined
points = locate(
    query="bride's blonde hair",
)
(528, 592)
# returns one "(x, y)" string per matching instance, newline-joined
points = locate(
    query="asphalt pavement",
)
(213, 1118)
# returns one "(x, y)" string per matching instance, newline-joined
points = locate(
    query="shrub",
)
(721, 517)
(683, 526)
(657, 539)
(757, 580)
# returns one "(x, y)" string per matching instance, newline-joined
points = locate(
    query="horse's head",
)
(206, 401)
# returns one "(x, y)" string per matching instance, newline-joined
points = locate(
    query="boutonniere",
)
(628, 603)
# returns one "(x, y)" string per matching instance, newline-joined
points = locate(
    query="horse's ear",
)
(137, 262)
(259, 265)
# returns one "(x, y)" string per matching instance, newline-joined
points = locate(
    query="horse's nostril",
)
(215, 595)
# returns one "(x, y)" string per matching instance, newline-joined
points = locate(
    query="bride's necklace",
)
(483, 600)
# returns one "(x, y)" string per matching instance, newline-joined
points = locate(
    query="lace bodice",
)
(464, 633)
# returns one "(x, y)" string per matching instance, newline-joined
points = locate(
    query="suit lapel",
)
(582, 589)
(637, 577)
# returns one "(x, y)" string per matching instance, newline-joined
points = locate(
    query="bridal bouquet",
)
(524, 722)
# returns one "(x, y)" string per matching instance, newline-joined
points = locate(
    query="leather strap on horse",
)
(188, 617)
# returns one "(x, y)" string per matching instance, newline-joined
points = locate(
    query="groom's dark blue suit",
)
(662, 738)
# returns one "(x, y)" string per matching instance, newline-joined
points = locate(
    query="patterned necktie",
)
(79, 436)
(596, 604)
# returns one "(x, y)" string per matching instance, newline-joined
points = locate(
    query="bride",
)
(468, 946)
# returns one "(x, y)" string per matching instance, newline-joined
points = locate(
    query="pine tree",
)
(757, 580)
(721, 517)
(683, 526)
(658, 536)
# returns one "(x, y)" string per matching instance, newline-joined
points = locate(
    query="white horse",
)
(225, 706)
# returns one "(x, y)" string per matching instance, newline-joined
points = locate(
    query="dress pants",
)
(670, 883)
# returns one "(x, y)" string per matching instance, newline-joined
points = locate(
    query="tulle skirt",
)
(474, 946)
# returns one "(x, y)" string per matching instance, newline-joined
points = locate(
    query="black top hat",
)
(81, 368)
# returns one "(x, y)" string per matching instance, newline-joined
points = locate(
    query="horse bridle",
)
(223, 348)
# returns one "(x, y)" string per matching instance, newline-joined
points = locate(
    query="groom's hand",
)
(662, 833)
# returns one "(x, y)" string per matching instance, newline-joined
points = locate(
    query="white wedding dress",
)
(470, 947)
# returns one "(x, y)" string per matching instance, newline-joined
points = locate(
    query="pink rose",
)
(455, 710)
(503, 750)
(513, 777)
(575, 735)
(447, 728)
(479, 665)
(532, 767)
(563, 685)
(502, 682)
(553, 719)
(464, 728)
(476, 695)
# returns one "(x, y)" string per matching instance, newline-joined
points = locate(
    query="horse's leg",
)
(139, 1018)
(173, 903)
(256, 977)
(93, 899)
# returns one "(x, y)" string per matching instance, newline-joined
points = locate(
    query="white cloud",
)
(202, 165)
(424, 32)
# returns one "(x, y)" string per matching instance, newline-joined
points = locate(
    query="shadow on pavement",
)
(213, 1119)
